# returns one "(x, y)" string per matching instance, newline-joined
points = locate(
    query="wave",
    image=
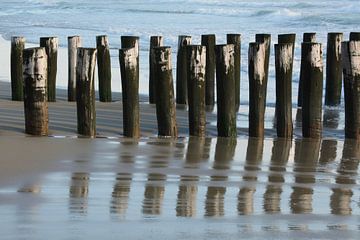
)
(161, 11)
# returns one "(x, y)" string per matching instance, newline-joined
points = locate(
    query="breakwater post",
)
(74, 42)
(155, 41)
(165, 103)
(51, 45)
(209, 41)
(130, 91)
(16, 59)
(236, 40)
(85, 91)
(35, 91)
(181, 70)
(104, 68)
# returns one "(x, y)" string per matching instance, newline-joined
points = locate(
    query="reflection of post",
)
(306, 157)
(186, 198)
(328, 151)
(340, 201)
(79, 190)
(224, 153)
(279, 158)
(253, 158)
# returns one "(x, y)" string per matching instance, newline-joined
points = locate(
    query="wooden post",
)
(225, 85)
(130, 91)
(333, 69)
(288, 38)
(196, 74)
(104, 68)
(165, 104)
(236, 40)
(209, 41)
(307, 37)
(74, 42)
(17, 47)
(265, 38)
(351, 71)
(257, 88)
(181, 70)
(313, 88)
(283, 65)
(354, 36)
(51, 46)
(155, 41)
(85, 91)
(35, 94)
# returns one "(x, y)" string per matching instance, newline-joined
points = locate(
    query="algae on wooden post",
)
(196, 60)
(130, 92)
(35, 91)
(225, 85)
(85, 91)
(51, 45)
(74, 42)
(17, 81)
(104, 68)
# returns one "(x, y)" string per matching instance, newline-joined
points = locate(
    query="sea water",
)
(170, 18)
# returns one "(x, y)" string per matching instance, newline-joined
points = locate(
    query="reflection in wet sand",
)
(279, 159)
(254, 156)
(328, 151)
(224, 153)
(306, 158)
(197, 151)
(79, 190)
(340, 201)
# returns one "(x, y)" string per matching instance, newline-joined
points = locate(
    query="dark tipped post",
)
(354, 36)
(333, 69)
(130, 91)
(209, 41)
(236, 40)
(196, 74)
(104, 68)
(288, 38)
(74, 42)
(257, 87)
(225, 87)
(155, 41)
(351, 71)
(181, 70)
(313, 88)
(307, 37)
(17, 47)
(51, 45)
(165, 104)
(85, 91)
(284, 67)
(35, 94)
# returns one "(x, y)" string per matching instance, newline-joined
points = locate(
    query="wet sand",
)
(66, 187)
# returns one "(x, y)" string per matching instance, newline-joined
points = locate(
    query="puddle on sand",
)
(174, 189)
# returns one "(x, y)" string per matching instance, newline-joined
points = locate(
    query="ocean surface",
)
(170, 18)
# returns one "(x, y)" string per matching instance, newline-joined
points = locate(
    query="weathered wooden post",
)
(351, 71)
(17, 47)
(196, 74)
(225, 85)
(333, 69)
(35, 91)
(130, 91)
(265, 38)
(283, 66)
(209, 41)
(313, 87)
(236, 40)
(130, 42)
(165, 103)
(288, 38)
(181, 70)
(104, 68)
(354, 36)
(257, 88)
(85, 91)
(74, 42)
(307, 37)
(51, 45)
(155, 41)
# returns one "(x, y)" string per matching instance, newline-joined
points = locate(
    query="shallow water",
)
(67, 188)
